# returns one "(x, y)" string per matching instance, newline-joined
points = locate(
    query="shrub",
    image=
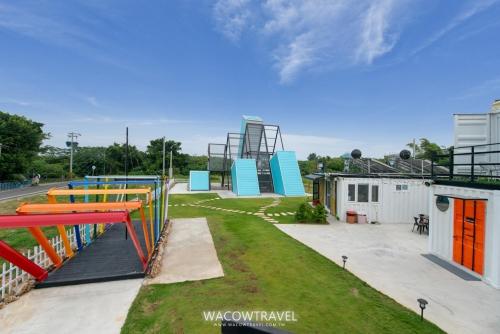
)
(320, 214)
(304, 213)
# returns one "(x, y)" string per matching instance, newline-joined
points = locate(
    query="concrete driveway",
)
(388, 257)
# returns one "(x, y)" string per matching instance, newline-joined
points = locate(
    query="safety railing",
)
(479, 164)
(14, 185)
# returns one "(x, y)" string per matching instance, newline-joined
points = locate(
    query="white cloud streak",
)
(471, 9)
(315, 34)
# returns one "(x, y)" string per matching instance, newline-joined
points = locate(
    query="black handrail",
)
(471, 174)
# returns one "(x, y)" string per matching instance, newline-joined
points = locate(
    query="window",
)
(363, 193)
(374, 193)
(351, 192)
(400, 187)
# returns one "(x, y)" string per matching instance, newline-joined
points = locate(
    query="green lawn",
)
(244, 204)
(287, 204)
(267, 270)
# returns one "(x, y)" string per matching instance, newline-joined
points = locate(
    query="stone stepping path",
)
(260, 213)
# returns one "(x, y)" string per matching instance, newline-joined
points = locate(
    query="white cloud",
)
(315, 34)
(232, 16)
(469, 10)
(375, 42)
(489, 87)
(92, 100)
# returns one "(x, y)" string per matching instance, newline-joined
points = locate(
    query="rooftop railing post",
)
(472, 164)
(433, 158)
(451, 162)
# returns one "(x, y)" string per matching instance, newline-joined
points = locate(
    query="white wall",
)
(441, 228)
(393, 206)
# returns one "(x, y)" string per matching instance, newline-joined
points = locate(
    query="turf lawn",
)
(267, 270)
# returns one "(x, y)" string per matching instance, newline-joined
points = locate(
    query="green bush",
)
(320, 214)
(307, 214)
(304, 213)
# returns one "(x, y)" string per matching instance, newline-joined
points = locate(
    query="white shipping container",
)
(399, 199)
(441, 228)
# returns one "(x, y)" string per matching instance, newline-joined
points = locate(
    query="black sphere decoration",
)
(405, 154)
(356, 154)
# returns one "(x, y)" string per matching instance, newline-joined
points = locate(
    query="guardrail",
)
(14, 185)
(473, 164)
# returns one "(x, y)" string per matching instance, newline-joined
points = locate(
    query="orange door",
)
(468, 233)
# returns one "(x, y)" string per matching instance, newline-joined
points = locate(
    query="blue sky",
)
(334, 74)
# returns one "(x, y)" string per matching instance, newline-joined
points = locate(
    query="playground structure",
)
(254, 161)
(104, 239)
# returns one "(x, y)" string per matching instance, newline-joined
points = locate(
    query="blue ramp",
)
(244, 177)
(285, 170)
(199, 180)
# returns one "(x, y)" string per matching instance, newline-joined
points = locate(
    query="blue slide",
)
(285, 170)
(244, 177)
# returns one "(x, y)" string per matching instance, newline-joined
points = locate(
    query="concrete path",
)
(190, 253)
(388, 257)
(87, 308)
(30, 191)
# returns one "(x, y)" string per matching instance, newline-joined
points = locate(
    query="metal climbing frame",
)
(260, 142)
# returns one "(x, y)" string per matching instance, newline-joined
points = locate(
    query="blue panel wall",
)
(199, 180)
(287, 180)
(276, 174)
(244, 177)
(234, 179)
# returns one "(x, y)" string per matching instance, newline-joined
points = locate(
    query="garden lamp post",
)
(344, 259)
(422, 303)
(93, 169)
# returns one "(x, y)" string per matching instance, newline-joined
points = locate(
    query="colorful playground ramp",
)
(52, 195)
(45, 220)
(84, 207)
(118, 248)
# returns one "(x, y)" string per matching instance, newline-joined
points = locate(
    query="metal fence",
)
(14, 185)
(474, 164)
(12, 278)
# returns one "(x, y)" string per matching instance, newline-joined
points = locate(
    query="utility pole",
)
(0, 149)
(170, 169)
(72, 138)
(163, 159)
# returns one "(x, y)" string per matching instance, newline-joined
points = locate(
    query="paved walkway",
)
(30, 191)
(190, 254)
(87, 308)
(388, 257)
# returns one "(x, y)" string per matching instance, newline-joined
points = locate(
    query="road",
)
(29, 191)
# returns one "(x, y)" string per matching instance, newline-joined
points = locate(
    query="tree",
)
(426, 149)
(197, 162)
(86, 157)
(21, 139)
(154, 156)
(312, 157)
(115, 159)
